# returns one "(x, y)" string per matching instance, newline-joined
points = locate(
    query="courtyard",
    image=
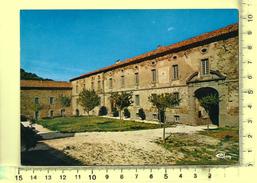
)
(185, 144)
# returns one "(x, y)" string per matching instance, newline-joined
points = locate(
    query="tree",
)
(65, 101)
(122, 100)
(162, 102)
(29, 137)
(209, 102)
(88, 99)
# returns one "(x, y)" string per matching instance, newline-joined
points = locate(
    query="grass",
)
(93, 124)
(201, 148)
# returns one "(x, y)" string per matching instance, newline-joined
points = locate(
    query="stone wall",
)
(222, 55)
(28, 102)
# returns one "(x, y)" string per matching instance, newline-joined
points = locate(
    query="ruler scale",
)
(175, 173)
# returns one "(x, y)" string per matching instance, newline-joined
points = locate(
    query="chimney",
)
(117, 61)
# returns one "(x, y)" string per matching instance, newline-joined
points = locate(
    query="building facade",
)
(191, 69)
(42, 99)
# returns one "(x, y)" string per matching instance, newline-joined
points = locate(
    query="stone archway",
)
(213, 115)
(77, 112)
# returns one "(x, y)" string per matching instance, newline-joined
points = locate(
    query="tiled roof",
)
(207, 36)
(45, 84)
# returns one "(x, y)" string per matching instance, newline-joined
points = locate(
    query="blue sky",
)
(62, 44)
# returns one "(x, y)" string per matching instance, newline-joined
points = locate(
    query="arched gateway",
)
(213, 115)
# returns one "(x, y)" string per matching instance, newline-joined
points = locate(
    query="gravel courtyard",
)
(123, 148)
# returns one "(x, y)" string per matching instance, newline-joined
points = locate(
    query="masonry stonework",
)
(47, 96)
(206, 63)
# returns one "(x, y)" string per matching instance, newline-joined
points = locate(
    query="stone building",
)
(41, 99)
(202, 65)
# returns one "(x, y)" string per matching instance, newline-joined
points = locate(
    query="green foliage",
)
(29, 137)
(126, 113)
(31, 76)
(209, 101)
(141, 113)
(65, 101)
(115, 112)
(88, 99)
(102, 111)
(164, 101)
(122, 100)
(93, 123)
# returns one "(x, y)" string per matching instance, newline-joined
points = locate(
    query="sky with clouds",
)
(62, 44)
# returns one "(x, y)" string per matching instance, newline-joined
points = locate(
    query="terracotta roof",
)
(45, 84)
(163, 49)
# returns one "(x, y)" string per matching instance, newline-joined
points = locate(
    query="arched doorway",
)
(213, 114)
(62, 112)
(77, 112)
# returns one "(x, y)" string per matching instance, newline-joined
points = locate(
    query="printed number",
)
(151, 176)
(250, 91)
(250, 77)
(209, 176)
(48, 177)
(136, 176)
(180, 175)
(166, 176)
(250, 121)
(250, 136)
(19, 177)
(250, 18)
(106, 176)
(78, 176)
(250, 106)
(63, 177)
(121, 176)
(195, 175)
(92, 177)
(33, 177)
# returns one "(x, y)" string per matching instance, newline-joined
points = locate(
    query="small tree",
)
(65, 101)
(122, 100)
(88, 99)
(209, 102)
(162, 102)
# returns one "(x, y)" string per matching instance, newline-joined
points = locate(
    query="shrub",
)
(29, 137)
(141, 113)
(126, 113)
(102, 111)
(115, 112)
(23, 118)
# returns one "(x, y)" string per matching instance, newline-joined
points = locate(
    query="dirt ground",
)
(124, 148)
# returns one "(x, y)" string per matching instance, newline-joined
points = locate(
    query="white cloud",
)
(170, 29)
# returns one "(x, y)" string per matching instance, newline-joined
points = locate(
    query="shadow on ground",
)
(44, 155)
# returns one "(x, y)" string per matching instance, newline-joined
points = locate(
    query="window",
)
(154, 75)
(110, 83)
(176, 94)
(36, 100)
(98, 85)
(51, 100)
(136, 79)
(205, 67)
(177, 118)
(51, 114)
(122, 81)
(77, 88)
(175, 72)
(137, 100)
(92, 85)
